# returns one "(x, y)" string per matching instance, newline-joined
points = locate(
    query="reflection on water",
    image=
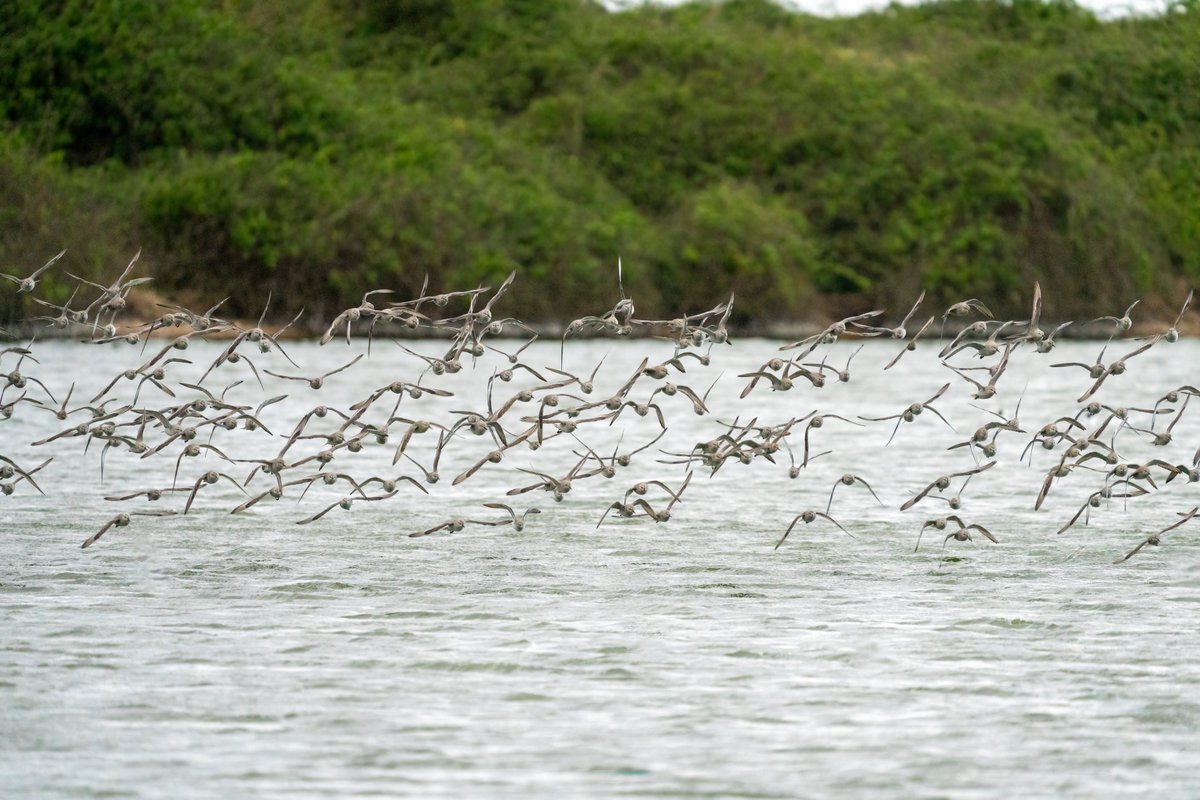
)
(243, 654)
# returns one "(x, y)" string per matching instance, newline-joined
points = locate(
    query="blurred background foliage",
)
(321, 148)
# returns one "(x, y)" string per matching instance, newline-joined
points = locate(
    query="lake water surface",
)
(218, 655)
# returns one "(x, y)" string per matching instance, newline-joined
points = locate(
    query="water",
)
(218, 655)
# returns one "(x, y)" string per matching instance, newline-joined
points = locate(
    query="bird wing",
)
(92, 539)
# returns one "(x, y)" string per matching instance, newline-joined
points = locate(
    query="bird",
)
(390, 485)
(558, 487)
(8, 487)
(207, 479)
(508, 373)
(962, 309)
(1107, 493)
(351, 315)
(585, 386)
(1172, 334)
(199, 322)
(275, 492)
(120, 521)
(1060, 470)
(318, 381)
(1116, 368)
(112, 297)
(794, 468)
(1122, 323)
(898, 332)
(65, 317)
(830, 334)
(28, 284)
(988, 390)
(625, 459)
(992, 430)
(517, 520)
(1032, 332)
(431, 474)
(1163, 438)
(671, 389)
(152, 495)
(493, 457)
(849, 479)
(911, 345)
(415, 428)
(1094, 370)
(192, 450)
(15, 379)
(912, 412)
(642, 487)
(455, 525)
(942, 483)
(988, 347)
(1173, 396)
(514, 357)
(962, 533)
(331, 437)
(818, 421)
(808, 517)
(1155, 538)
(624, 510)
(345, 504)
(665, 514)
(642, 410)
(266, 341)
(1046, 344)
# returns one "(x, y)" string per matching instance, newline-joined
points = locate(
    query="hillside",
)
(965, 147)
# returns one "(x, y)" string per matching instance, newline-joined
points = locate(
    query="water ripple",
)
(246, 656)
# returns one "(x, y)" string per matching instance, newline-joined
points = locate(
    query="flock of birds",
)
(190, 422)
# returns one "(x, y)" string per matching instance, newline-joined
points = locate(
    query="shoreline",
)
(789, 331)
(146, 305)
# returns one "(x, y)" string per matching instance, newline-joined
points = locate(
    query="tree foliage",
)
(962, 146)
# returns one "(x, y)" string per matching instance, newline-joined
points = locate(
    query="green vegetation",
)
(966, 147)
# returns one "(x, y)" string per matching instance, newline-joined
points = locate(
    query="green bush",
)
(967, 147)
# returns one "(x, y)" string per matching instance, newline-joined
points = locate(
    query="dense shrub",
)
(963, 147)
